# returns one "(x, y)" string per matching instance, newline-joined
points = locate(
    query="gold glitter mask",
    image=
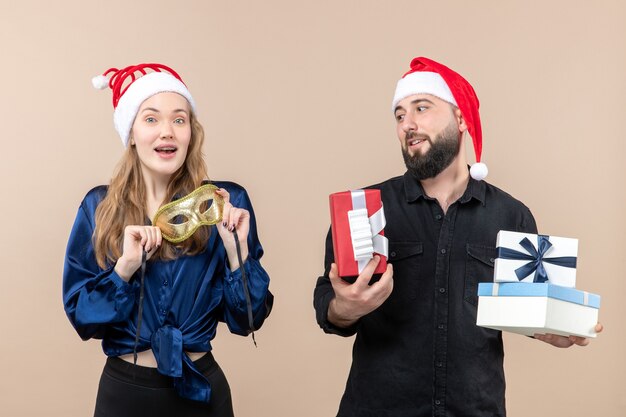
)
(187, 215)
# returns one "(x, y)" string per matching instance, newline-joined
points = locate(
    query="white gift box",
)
(537, 308)
(526, 257)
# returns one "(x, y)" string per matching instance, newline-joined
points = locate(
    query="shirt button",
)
(393, 254)
(443, 251)
(165, 283)
(437, 402)
(442, 290)
(441, 326)
(438, 217)
(439, 364)
(492, 260)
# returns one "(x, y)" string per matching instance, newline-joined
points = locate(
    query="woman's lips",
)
(166, 152)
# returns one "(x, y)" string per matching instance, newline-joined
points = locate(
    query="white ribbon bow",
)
(365, 230)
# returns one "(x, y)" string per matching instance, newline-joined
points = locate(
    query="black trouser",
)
(128, 390)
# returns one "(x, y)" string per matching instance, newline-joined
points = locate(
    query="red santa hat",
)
(134, 84)
(429, 77)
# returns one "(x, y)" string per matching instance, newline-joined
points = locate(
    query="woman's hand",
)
(233, 218)
(136, 240)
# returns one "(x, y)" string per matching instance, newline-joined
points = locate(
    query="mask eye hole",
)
(205, 205)
(178, 219)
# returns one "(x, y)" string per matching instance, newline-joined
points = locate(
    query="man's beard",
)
(442, 152)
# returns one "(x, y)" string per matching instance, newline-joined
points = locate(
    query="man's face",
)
(429, 134)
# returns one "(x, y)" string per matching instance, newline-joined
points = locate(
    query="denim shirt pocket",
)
(406, 258)
(478, 268)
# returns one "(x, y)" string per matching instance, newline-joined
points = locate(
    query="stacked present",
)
(357, 223)
(534, 288)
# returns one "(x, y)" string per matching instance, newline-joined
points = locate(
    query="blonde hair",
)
(125, 202)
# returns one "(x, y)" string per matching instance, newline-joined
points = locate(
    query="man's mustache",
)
(414, 135)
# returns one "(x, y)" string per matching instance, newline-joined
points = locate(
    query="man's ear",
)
(460, 120)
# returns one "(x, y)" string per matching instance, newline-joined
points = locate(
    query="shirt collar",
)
(413, 190)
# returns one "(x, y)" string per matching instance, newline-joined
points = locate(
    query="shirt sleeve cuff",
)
(121, 285)
(250, 265)
(330, 328)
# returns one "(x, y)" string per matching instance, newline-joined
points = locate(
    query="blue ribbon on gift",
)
(536, 258)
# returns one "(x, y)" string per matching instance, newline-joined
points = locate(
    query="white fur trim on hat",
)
(422, 82)
(140, 90)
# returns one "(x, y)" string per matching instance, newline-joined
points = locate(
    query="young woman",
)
(155, 304)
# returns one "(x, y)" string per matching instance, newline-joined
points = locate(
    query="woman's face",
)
(161, 134)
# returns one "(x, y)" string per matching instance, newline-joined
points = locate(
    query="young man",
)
(418, 351)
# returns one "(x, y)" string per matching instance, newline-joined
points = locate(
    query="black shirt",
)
(421, 353)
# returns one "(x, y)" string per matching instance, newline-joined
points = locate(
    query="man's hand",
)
(353, 301)
(565, 342)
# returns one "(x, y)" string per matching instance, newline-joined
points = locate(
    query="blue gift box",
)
(530, 308)
(522, 289)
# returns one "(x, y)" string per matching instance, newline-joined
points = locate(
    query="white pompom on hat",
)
(133, 85)
(100, 82)
(429, 77)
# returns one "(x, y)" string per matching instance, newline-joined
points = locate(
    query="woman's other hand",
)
(238, 219)
(136, 240)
